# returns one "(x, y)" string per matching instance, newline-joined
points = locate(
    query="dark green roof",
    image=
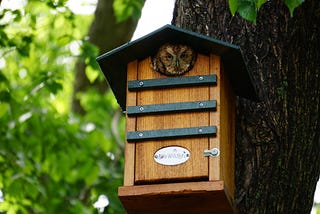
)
(114, 63)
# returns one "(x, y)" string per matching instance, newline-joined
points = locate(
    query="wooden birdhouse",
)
(177, 89)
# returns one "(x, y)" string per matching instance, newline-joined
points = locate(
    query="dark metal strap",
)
(171, 133)
(172, 82)
(172, 107)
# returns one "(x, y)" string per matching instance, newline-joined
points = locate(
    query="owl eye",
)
(183, 55)
(169, 57)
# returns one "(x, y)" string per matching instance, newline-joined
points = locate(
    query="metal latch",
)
(215, 152)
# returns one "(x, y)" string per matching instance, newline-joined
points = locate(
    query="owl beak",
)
(177, 63)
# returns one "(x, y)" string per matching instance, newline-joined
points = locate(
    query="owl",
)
(173, 59)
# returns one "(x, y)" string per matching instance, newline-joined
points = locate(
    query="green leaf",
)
(89, 50)
(260, 3)
(56, 3)
(3, 78)
(91, 73)
(248, 10)
(54, 86)
(92, 174)
(125, 9)
(17, 16)
(233, 6)
(3, 39)
(5, 96)
(293, 4)
(64, 40)
(4, 107)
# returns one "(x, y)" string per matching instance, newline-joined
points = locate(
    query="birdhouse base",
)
(189, 197)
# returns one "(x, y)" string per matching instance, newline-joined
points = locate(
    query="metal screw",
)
(201, 78)
(140, 134)
(141, 108)
(200, 130)
(215, 152)
(201, 104)
(141, 83)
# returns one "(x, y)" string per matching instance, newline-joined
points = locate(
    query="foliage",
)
(248, 9)
(51, 160)
(127, 8)
(317, 208)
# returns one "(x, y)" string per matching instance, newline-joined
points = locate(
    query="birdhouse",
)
(177, 89)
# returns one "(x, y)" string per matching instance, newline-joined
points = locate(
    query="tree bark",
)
(277, 139)
(106, 33)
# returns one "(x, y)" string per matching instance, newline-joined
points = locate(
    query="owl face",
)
(174, 59)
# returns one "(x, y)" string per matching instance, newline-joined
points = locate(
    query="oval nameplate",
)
(172, 155)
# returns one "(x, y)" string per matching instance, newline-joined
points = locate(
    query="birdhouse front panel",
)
(185, 115)
(177, 89)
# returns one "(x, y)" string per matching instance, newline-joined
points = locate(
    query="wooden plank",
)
(227, 127)
(214, 162)
(176, 198)
(196, 168)
(129, 153)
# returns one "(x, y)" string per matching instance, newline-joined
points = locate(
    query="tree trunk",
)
(106, 33)
(277, 139)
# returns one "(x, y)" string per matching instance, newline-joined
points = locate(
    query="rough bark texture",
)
(277, 139)
(106, 33)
